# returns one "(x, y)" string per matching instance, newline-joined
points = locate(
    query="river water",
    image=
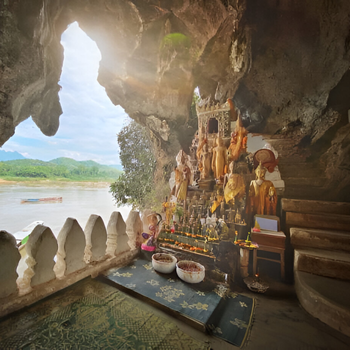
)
(79, 201)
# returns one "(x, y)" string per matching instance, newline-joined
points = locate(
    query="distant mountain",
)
(70, 163)
(58, 168)
(8, 155)
(117, 166)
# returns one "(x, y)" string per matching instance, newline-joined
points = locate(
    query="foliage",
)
(136, 183)
(57, 169)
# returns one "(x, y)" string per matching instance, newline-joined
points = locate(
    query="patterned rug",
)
(91, 322)
(225, 314)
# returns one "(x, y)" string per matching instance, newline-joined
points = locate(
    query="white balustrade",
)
(79, 254)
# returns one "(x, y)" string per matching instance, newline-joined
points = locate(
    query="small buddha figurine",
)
(219, 159)
(258, 192)
(205, 160)
(271, 201)
(238, 141)
(217, 200)
(182, 177)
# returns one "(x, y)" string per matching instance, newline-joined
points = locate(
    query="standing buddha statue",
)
(219, 160)
(259, 191)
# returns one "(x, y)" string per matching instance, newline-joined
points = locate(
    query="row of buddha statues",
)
(226, 176)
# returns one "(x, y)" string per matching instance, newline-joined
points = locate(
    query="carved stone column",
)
(96, 239)
(71, 247)
(9, 258)
(41, 249)
(134, 229)
(117, 239)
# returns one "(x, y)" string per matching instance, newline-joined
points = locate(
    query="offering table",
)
(269, 241)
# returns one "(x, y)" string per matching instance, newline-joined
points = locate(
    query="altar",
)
(215, 193)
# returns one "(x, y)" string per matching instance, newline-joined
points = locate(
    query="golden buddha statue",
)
(205, 160)
(271, 201)
(219, 159)
(217, 200)
(182, 176)
(259, 191)
(234, 187)
(238, 141)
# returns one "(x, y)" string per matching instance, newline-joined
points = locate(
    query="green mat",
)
(225, 314)
(92, 322)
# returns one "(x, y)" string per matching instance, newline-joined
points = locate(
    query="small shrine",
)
(221, 192)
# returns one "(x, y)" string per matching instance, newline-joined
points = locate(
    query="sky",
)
(89, 123)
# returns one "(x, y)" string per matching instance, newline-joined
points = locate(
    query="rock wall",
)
(285, 64)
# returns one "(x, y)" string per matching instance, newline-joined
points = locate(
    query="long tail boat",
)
(40, 200)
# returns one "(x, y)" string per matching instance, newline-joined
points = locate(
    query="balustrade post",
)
(134, 229)
(71, 247)
(41, 249)
(9, 258)
(96, 239)
(117, 239)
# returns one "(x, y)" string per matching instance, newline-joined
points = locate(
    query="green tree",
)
(133, 186)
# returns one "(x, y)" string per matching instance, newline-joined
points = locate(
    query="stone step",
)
(332, 222)
(325, 298)
(326, 263)
(303, 193)
(320, 239)
(300, 169)
(316, 207)
(296, 182)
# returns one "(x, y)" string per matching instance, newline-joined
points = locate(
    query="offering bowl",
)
(164, 263)
(190, 271)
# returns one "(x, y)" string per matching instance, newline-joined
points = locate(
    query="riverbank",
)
(40, 182)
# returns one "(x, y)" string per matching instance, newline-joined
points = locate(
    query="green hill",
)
(57, 169)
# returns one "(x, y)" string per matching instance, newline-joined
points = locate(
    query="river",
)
(79, 201)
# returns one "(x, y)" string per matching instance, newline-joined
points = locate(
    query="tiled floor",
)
(279, 320)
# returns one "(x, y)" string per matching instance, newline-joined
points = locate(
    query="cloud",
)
(89, 123)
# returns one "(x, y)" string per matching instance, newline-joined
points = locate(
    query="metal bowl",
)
(164, 263)
(190, 271)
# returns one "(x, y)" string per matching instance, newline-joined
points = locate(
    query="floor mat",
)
(225, 314)
(95, 321)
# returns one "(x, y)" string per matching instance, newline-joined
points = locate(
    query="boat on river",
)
(42, 200)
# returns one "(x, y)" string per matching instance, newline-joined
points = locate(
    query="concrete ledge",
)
(321, 239)
(325, 298)
(16, 302)
(324, 263)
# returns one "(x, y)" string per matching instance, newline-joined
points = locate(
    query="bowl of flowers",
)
(164, 263)
(190, 271)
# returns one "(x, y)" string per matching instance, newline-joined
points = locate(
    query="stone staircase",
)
(303, 178)
(319, 232)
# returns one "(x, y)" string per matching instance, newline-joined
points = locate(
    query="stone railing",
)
(46, 264)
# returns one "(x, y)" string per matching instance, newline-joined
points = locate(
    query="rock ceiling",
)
(284, 63)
